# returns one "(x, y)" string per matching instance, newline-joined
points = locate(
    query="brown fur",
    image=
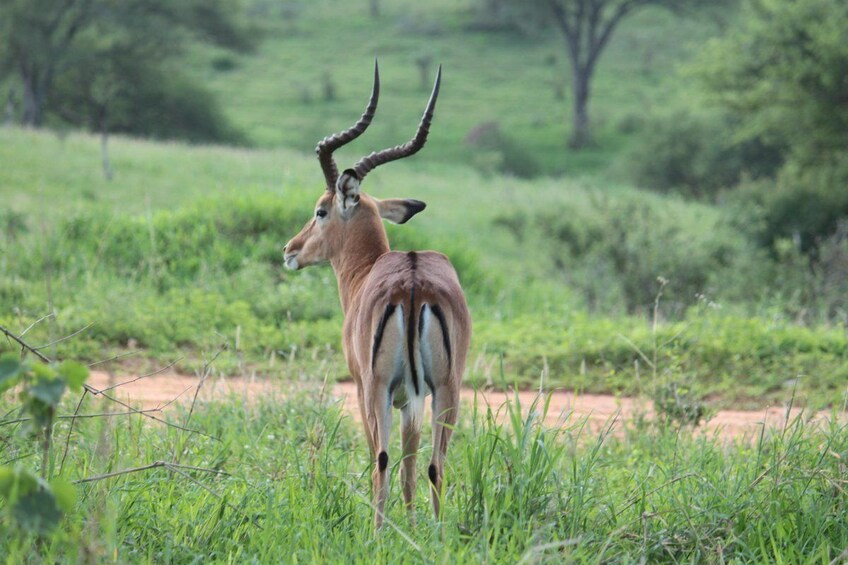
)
(352, 238)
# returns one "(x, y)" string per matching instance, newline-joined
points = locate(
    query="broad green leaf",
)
(65, 493)
(7, 480)
(43, 371)
(10, 369)
(37, 511)
(39, 412)
(16, 482)
(48, 391)
(75, 374)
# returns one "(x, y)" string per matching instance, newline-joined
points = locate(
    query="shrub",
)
(496, 151)
(190, 278)
(695, 156)
(615, 253)
(804, 204)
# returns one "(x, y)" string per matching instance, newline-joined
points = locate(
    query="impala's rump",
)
(411, 342)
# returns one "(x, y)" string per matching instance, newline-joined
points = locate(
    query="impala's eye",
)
(320, 213)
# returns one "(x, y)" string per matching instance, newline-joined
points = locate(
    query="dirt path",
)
(159, 390)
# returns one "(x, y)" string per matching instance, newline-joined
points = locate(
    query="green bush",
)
(615, 253)
(495, 151)
(190, 279)
(695, 155)
(804, 204)
(712, 353)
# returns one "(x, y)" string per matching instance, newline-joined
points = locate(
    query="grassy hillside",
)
(181, 253)
(277, 94)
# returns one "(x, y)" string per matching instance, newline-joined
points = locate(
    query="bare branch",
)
(71, 429)
(61, 339)
(106, 414)
(153, 465)
(156, 372)
(76, 416)
(91, 390)
(150, 416)
(15, 421)
(24, 345)
(202, 469)
(607, 28)
(35, 323)
(185, 390)
(18, 458)
(115, 358)
(203, 376)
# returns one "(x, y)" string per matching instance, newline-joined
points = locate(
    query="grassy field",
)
(181, 255)
(277, 95)
(288, 480)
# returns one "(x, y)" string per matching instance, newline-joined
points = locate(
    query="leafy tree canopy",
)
(110, 63)
(783, 74)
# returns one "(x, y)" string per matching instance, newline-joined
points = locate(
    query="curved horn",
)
(411, 147)
(330, 143)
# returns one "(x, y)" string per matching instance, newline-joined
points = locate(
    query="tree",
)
(37, 35)
(783, 75)
(587, 26)
(42, 40)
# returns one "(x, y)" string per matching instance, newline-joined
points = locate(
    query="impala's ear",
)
(347, 191)
(398, 210)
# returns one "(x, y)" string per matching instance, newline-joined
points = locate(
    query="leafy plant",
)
(36, 503)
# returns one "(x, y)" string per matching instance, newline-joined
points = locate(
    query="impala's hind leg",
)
(360, 394)
(445, 411)
(380, 422)
(410, 436)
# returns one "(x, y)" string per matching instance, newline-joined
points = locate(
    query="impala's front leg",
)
(379, 421)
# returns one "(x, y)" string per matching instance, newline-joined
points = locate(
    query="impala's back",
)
(407, 327)
(413, 324)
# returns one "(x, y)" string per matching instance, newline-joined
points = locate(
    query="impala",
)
(406, 324)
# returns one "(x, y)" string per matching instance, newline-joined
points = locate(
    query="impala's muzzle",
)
(290, 258)
(291, 261)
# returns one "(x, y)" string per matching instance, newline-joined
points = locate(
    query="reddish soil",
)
(166, 390)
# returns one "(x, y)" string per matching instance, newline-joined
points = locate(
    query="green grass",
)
(290, 482)
(180, 254)
(276, 94)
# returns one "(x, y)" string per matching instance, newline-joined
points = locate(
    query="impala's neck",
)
(354, 263)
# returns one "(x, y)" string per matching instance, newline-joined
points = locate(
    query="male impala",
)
(406, 324)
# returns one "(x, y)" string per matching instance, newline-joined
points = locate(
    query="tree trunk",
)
(104, 145)
(32, 103)
(375, 8)
(580, 133)
(9, 114)
(423, 62)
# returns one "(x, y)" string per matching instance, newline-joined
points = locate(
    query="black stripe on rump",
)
(378, 335)
(410, 328)
(440, 315)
